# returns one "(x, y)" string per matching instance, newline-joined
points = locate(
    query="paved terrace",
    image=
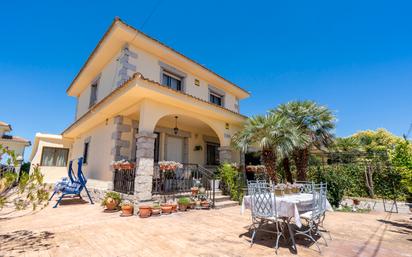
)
(84, 230)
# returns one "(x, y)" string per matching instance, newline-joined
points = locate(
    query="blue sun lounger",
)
(72, 185)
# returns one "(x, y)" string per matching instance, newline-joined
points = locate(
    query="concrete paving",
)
(85, 230)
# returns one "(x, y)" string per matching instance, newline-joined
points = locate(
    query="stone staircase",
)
(223, 201)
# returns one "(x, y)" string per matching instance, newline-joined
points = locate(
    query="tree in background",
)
(401, 158)
(21, 192)
(313, 120)
(274, 135)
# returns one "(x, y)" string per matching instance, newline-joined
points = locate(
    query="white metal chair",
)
(264, 212)
(305, 186)
(315, 216)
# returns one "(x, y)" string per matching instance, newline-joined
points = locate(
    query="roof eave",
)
(242, 92)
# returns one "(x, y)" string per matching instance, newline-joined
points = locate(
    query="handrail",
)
(183, 179)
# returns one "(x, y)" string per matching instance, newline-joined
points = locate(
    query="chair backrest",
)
(319, 200)
(70, 172)
(253, 184)
(263, 202)
(305, 186)
(81, 178)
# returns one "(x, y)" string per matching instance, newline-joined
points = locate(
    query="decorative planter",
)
(195, 190)
(217, 183)
(156, 211)
(145, 211)
(111, 204)
(174, 207)
(279, 192)
(295, 190)
(127, 210)
(166, 209)
(198, 204)
(288, 191)
(205, 204)
(127, 166)
(183, 207)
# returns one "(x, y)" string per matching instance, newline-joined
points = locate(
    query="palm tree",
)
(274, 135)
(314, 120)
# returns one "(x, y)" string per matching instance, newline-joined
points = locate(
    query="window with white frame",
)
(171, 80)
(54, 156)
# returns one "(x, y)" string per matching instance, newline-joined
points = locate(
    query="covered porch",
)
(151, 131)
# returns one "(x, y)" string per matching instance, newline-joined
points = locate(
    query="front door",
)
(174, 149)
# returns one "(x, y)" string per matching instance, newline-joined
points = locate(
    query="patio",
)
(84, 230)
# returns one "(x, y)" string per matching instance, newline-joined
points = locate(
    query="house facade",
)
(14, 143)
(140, 100)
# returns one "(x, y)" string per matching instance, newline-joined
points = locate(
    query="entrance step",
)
(222, 198)
(225, 204)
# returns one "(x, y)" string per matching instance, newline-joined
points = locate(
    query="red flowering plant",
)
(169, 167)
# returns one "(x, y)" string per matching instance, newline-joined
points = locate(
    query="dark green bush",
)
(337, 182)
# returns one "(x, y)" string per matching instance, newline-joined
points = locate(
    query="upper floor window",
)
(93, 94)
(215, 98)
(172, 81)
(53, 156)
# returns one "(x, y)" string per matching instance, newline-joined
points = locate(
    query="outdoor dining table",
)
(288, 206)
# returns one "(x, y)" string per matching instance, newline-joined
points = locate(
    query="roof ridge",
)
(118, 19)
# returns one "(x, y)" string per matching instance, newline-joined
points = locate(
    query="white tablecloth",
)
(289, 205)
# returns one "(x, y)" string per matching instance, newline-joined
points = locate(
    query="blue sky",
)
(353, 56)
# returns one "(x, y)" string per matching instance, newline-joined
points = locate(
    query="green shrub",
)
(337, 183)
(232, 181)
(184, 201)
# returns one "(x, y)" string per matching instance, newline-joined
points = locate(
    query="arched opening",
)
(186, 139)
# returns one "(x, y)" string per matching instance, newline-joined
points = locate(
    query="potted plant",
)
(145, 211)
(279, 190)
(198, 204)
(295, 188)
(195, 190)
(156, 209)
(127, 208)
(216, 181)
(174, 206)
(205, 204)
(111, 201)
(183, 202)
(166, 208)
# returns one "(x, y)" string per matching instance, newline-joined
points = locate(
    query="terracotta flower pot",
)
(182, 207)
(127, 210)
(145, 211)
(195, 190)
(156, 211)
(111, 204)
(205, 204)
(166, 209)
(174, 207)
